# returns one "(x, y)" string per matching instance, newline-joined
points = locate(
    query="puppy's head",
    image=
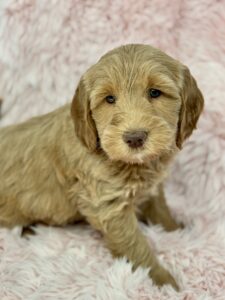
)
(138, 102)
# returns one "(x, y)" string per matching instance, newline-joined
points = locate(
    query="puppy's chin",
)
(139, 157)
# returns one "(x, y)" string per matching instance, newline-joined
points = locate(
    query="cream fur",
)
(55, 158)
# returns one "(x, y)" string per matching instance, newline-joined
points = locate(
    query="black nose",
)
(135, 139)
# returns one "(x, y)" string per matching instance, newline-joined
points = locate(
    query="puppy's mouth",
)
(137, 146)
(139, 156)
(129, 155)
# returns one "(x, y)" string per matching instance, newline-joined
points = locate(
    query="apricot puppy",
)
(104, 158)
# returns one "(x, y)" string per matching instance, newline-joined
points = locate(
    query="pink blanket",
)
(45, 46)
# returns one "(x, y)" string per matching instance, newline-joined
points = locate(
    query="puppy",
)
(104, 159)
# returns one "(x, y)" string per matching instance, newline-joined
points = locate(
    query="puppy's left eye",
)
(154, 93)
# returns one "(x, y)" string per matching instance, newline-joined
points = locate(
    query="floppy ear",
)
(81, 113)
(191, 107)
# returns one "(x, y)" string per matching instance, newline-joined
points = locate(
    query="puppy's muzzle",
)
(135, 139)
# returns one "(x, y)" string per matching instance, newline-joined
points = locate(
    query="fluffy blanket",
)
(44, 48)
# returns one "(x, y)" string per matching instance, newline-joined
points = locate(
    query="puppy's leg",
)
(124, 238)
(28, 230)
(157, 212)
(10, 215)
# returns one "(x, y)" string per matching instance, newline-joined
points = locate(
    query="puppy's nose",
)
(135, 139)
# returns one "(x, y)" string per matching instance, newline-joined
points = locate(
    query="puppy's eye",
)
(110, 99)
(154, 93)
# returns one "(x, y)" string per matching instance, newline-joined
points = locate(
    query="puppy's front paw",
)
(161, 276)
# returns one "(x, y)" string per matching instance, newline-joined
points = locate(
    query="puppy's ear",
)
(191, 107)
(81, 113)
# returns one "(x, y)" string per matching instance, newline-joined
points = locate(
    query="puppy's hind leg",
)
(157, 211)
(10, 215)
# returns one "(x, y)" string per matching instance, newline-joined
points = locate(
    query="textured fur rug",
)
(44, 48)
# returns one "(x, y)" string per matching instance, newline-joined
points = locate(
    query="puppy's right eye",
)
(110, 99)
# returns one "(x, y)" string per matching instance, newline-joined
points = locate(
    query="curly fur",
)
(59, 169)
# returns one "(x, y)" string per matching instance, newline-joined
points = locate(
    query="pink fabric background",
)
(45, 46)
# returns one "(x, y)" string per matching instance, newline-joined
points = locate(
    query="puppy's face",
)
(132, 100)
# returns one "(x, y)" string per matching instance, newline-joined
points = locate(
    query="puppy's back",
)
(28, 154)
(18, 142)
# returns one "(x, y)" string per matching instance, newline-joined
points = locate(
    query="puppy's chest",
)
(137, 191)
(128, 184)
(141, 185)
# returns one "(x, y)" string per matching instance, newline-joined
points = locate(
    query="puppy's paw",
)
(27, 231)
(173, 225)
(161, 276)
(180, 225)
